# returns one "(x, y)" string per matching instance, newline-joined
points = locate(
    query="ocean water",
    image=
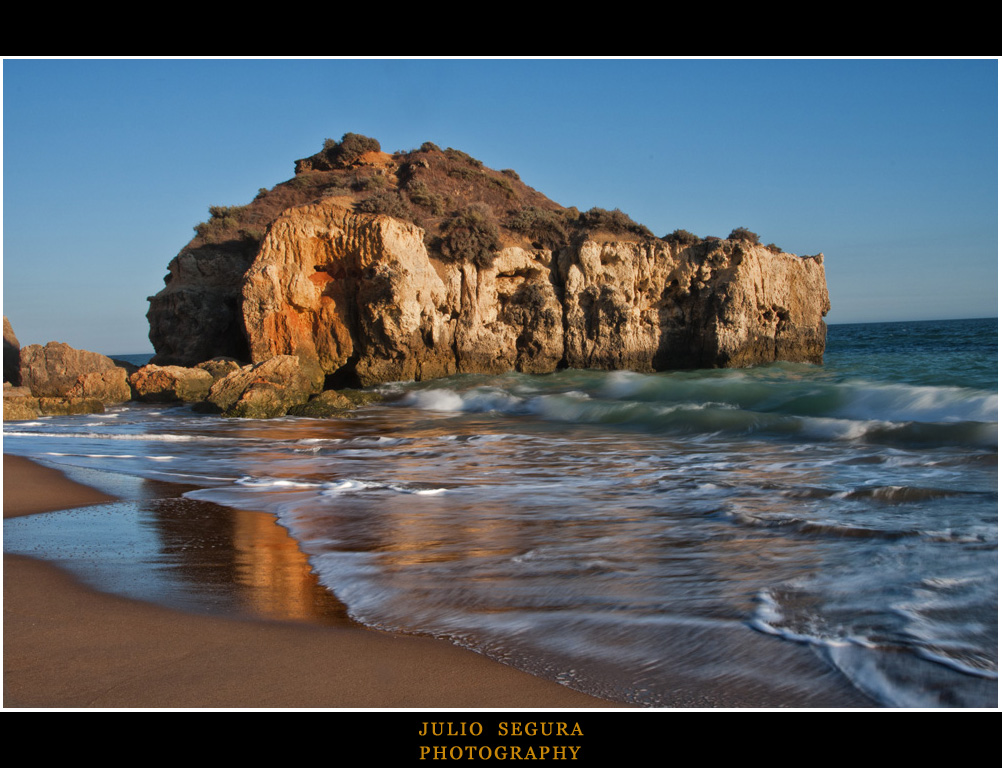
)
(788, 531)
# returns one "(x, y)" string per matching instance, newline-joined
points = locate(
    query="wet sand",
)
(67, 646)
(240, 619)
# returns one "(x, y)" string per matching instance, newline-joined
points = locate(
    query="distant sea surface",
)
(611, 529)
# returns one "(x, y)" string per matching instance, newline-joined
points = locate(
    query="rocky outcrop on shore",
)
(58, 380)
(170, 384)
(59, 370)
(267, 389)
(62, 381)
(369, 267)
(197, 315)
(450, 267)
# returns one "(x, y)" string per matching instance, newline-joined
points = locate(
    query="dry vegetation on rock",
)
(433, 188)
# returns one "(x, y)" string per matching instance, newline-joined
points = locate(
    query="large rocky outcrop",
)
(424, 263)
(361, 295)
(351, 291)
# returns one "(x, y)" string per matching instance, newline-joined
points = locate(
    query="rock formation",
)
(450, 267)
(724, 303)
(267, 389)
(59, 370)
(170, 384)
(18, 403)
(361, 296)
(58, 380)
(219, 367)
(328, 404)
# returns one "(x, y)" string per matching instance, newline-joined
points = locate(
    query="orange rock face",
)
(362, 295)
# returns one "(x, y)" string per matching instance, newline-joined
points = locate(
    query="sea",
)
(782, 535)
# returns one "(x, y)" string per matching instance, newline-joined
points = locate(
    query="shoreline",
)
(67, 645)
(241, 620)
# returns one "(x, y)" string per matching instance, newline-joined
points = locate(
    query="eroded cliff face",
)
(654, 306)
(357, 293)
(361, 295)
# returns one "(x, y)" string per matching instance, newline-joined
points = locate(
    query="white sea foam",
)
(350, 485)
(770, 619)
(902, 402)
(274, 483)
(152, 437)
(434, 400)
(112, 456)
(839, 429)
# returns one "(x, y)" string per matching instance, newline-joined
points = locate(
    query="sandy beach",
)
(66, 645)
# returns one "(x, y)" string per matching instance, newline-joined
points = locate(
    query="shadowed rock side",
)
(361, 295)
(197, 315)
(11, 355)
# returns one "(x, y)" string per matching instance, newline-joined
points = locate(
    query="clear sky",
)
(890, 167)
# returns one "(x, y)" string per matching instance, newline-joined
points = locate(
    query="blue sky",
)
(890, 167)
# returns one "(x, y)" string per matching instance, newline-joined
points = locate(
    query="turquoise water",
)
(616, 531)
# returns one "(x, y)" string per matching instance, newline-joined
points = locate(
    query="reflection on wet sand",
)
(194, 555)
(273, 576)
